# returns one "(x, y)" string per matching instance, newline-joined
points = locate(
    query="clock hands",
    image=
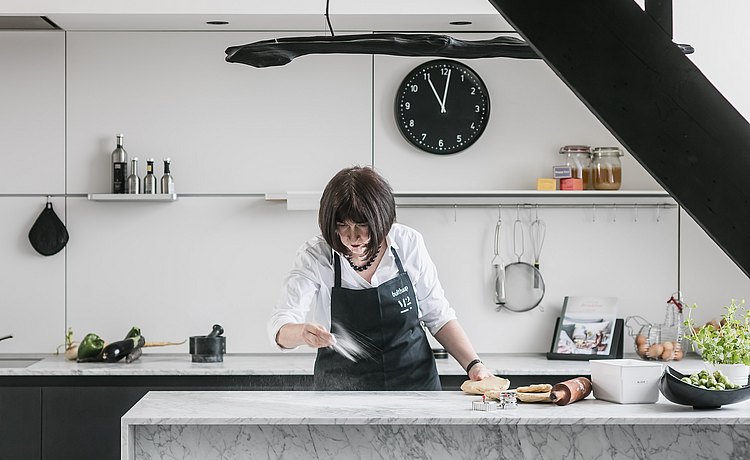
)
(445, 92)
(434, 91)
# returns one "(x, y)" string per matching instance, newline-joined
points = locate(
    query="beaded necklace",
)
(365, 266)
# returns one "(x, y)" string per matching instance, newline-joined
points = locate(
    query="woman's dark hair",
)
(361, 195)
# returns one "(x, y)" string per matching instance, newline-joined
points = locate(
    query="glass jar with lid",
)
(606, 168)
(578, 157)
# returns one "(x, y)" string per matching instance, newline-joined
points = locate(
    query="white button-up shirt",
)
(307, 287)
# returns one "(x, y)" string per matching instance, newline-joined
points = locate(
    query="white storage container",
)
(626, 381)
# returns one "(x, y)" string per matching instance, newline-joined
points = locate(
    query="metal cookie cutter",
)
(506, 400)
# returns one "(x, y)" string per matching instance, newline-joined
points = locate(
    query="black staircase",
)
(621, 62)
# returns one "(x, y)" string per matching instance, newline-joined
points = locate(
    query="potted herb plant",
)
(727, 347)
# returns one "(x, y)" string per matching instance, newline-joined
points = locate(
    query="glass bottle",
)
(149, 181)
(167, 181)
(606, 168)
(578, 157)
(119, 167)
(671, 329)
(134, 182)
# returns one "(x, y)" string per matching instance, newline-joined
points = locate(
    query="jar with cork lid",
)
(606, 168)
(578, 158)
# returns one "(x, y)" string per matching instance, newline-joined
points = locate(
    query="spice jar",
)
(578, 158)
(606, 168)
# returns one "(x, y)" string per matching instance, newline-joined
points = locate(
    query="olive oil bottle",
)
(119, 167)
(149, 181)
(167, 181)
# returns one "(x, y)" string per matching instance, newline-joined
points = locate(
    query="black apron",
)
(385, 319)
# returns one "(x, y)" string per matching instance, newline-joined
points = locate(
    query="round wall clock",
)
(442, 106)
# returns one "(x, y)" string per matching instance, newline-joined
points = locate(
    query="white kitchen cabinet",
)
(228, 128)
(32, 112)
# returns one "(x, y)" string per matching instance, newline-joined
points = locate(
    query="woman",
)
(370, 279)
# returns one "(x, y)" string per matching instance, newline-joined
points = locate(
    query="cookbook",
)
(586, 326)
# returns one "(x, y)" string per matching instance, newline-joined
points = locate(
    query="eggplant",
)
(115, 351)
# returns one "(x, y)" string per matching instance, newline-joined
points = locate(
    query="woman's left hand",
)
(479, 372)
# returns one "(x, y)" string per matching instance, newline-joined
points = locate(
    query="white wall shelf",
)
(301, 201)
(160, 197)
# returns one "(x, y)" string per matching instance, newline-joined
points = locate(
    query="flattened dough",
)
(479, 387)
(533, 397)
(536, 388)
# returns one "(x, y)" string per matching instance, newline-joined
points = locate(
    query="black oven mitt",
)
(48, 235)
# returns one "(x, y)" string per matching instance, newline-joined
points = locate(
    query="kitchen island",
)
(431, 425)
(49, 403)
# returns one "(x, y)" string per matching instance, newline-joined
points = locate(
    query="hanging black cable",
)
(328, 19)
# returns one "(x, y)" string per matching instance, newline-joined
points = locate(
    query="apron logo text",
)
(405, 304)
(400, 291)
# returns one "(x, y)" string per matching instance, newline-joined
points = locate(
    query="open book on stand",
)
(587, 329)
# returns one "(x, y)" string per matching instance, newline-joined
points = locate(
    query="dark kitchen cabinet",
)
(78, 417)
(84, 422)
(20, 423)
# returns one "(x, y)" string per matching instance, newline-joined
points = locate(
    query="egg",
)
(640, 339)
(655, 351)
(668, 353)
(642, 349)
(678, 355)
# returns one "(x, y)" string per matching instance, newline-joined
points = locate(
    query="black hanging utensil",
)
(48, 235)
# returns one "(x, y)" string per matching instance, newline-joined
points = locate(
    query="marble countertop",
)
(398, 408)
(287, 364)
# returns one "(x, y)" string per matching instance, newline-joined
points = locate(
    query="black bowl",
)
(683, 393)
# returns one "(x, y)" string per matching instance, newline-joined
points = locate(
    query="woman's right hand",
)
(316, 335)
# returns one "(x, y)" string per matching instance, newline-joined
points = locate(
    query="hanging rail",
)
(540, 205)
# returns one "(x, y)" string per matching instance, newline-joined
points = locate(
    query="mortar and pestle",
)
(209, 348)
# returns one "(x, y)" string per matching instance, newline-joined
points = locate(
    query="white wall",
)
(176, 268)
(32, 153)
(718, 32)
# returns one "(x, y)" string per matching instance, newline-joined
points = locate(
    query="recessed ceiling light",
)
(217, 23)
(460, 23)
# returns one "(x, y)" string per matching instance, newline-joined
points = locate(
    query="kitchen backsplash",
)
(176, 268)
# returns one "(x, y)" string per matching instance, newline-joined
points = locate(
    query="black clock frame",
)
(463, 106)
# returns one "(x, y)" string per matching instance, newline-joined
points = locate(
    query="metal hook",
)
(593, 213)
(49, 199)
(499, 211)
(635, 217)
(658, 212)
(455, 213)
(518, 211)
(614, 212)
(536, 212)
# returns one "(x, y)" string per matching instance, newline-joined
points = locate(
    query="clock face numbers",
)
(442, 107)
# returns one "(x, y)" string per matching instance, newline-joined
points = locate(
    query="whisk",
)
(538, 233)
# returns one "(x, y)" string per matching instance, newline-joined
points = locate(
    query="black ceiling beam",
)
(661, 12)
(655, 101)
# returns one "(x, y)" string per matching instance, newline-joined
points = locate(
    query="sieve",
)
(524, 285)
